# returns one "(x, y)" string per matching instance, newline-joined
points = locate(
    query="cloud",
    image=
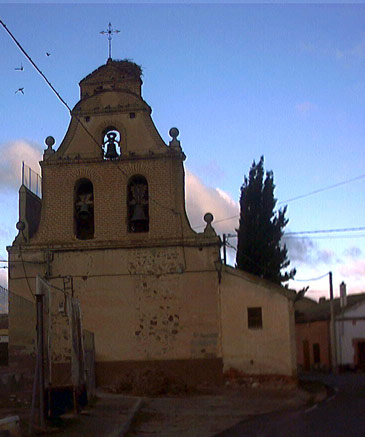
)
(305, 251)
(14, 153)
(354, 270)
(3, 276)
(212, 172)
(352, 252)
(201, 199)
(305, 107)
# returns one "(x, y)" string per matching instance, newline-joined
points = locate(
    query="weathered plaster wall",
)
(270, 350)
(313, 332)
(141, 304)
(22, 328)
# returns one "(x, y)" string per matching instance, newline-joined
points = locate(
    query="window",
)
(316, 353)
(137, 203)
(111, 143)
(254, 317)
(84, 210)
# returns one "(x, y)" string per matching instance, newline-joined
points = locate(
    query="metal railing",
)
(3, 300)
(31, 180)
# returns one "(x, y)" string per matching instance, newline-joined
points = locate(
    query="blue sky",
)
(239, 81)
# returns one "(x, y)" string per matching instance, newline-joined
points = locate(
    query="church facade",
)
(112, 223)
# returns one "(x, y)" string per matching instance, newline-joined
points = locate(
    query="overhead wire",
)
(70, 110)
(320, 190)
(322, 231)
(311, 279)
(329, 187)
(289, 234)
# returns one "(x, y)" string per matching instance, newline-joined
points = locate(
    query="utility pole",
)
(225, 244)
(40, 343)
(332, 329)
(224, 249)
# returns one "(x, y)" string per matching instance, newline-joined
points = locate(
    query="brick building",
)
(112, 220)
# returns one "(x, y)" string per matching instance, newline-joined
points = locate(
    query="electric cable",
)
(322, 231)
(70, 110)
(311, 279)
(320, 190)
(25, 274)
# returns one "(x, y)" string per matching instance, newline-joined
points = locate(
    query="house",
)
(111, 231)
(3, 300)
(313, 332)
(4, 339)
(350, 331)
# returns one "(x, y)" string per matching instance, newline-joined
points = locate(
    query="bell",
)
(111, 151)
(84, 212)
(138, 214)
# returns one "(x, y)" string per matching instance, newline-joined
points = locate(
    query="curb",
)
(122, 431)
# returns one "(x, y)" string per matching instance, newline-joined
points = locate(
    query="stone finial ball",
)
(208, 218)
(174, 132)
(20, 226)
(49, 141)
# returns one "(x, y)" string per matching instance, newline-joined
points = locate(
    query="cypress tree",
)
(259, 249)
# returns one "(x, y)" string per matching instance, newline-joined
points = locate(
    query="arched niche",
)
(84, 209)
(137, 204)
(111, 143)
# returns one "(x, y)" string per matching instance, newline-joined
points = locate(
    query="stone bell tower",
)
(113, 218)
(113, 175)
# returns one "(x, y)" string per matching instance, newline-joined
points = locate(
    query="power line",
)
(311, 279)
(322, 231)
(70, 110)
(325, 237)
(297, 234)
(151, 198)
(320, 190)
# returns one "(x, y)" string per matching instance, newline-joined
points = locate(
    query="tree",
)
(259, 249)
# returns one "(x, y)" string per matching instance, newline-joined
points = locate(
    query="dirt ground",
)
(185, 415)
(207, 415)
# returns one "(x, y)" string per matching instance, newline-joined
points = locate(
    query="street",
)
(341, 414)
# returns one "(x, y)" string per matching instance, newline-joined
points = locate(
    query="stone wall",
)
(142, 304)
(166, 207)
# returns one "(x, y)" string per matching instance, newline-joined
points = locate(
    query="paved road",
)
(342, 414)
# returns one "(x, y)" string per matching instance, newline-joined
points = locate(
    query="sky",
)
(286, 81)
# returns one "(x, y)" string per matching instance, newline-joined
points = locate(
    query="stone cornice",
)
(170, 153)
(79, 246)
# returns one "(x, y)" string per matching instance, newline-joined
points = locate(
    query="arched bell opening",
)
(111, 143)
(137, 204)
(84, 210)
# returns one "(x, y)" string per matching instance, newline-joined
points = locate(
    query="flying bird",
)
(48, 54)
(20, 90)
(21, 68)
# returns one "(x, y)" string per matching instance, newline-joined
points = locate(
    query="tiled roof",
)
(322, 310)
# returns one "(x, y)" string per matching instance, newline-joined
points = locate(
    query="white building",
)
(350, 335)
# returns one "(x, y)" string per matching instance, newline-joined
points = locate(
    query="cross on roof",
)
(110, 31)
